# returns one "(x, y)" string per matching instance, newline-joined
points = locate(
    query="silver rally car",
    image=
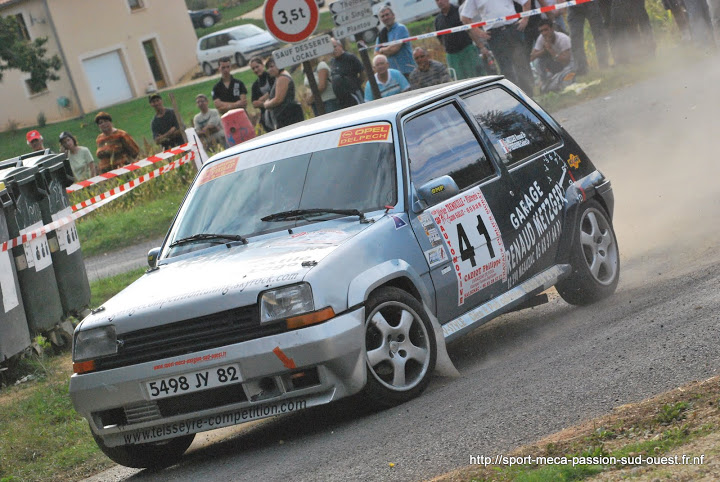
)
(339, 255)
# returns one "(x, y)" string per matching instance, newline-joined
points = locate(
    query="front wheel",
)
(595, 259)
(399, 347)
(240, 60)
(149, 455)
(208, 21)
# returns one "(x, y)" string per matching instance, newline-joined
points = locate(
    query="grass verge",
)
(43, 438)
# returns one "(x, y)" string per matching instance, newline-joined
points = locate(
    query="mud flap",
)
(443, 364)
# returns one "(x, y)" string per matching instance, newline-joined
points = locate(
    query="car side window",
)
(515, 132)
(440, 142)
(204, 44)
(223, 40)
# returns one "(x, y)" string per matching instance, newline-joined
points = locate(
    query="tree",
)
(28, 56)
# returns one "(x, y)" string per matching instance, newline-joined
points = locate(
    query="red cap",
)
(32, 135)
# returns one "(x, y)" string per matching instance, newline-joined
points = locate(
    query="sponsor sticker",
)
(370, 133)
(219, 170)
(574, 161)
(399, 222)
(436, 256)
(67, 235)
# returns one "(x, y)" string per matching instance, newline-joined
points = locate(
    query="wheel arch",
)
(397, 273)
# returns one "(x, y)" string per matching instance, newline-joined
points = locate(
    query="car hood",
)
(219, 278)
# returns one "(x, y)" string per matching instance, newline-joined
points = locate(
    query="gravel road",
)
(531, 373)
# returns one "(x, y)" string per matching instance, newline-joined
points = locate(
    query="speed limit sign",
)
(291, 20)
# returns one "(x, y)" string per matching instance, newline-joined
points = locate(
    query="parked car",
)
(205, 18)
(240, 43)
(339, 255)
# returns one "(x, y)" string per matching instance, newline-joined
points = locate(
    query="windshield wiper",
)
(218, 238)
(296, 214)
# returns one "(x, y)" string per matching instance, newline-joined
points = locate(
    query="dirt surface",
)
(530, 374)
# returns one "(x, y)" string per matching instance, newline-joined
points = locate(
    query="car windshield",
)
(245, 31)
(232, 196)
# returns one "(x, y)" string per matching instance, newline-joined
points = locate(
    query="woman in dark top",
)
(261, 92)
(283, 108)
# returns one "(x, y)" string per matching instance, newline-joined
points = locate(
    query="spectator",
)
(630, 31)
(390, 81)
(207, 124)
(260, 91)
(284, 109)
(327, 95)
(165, 128)
(35, 141)
(115, 147)
(399, 55)
(229, 93)
(577, 15)
(554, 55)
(461, 54)
(428, 72)
(680, 14)
(346, 76)
(504, 38)
(700, 23)
(82, 163)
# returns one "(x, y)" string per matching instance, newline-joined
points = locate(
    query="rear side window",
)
(440, 142)
(515, 132)
(204, 44)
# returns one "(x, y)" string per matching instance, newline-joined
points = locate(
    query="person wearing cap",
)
(208, 124)
(82, 163)
(115, 147)
(165, 128)
(35, 141)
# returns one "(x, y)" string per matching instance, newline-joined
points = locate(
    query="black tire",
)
(150, 455)
(400, 349)
(208, 21)
(240, 60)
(208, 69)
(595, 258)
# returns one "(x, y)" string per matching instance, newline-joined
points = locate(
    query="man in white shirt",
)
(505, 38)
(553, 52)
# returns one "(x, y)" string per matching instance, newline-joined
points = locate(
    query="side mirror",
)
(435, 191)
(152, 257)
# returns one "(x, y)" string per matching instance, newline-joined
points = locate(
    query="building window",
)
(136, 4)
(37, 89)
(22, 27)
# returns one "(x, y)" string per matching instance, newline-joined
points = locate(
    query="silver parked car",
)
(239, 43)
(338, 256)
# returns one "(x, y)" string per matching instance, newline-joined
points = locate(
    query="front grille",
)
(189, 336)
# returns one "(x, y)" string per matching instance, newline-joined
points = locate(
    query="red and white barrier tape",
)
(94, 203)
(148, 161)
(136, 182)
(462, 28)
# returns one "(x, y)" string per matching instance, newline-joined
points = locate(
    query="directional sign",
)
(352, 15)
(291, 20)
(300, 52)
(356, 27)
(340, 5)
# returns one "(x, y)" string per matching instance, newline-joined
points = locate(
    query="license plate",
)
(193, 382)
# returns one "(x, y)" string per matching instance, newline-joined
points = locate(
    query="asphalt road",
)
(531, 373)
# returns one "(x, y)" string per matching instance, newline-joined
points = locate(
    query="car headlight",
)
(286, 302)
(95, 343)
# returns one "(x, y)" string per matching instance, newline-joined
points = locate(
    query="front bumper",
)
(278, 374)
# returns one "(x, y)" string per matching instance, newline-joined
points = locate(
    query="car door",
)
(460, 234)
(534, 156)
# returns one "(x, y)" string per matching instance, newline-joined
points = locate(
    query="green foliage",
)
(672, 412)
(104, 289)
(27, 56)
(42, 342)
(41, 119)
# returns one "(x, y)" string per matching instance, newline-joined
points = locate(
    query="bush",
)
(41, 119)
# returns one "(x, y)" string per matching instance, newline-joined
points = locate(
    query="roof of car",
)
(385, 109)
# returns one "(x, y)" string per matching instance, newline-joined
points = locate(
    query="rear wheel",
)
(143, 456)
(208, 69)
(399, 347)
(595, 259)
(240, 60)
(208, 21)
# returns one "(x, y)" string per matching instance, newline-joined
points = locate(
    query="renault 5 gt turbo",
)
(339, 256)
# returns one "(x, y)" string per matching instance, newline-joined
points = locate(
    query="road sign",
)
(352, 15)
(340, 5)
(291, 20)
(300, 52)
(360, 26)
